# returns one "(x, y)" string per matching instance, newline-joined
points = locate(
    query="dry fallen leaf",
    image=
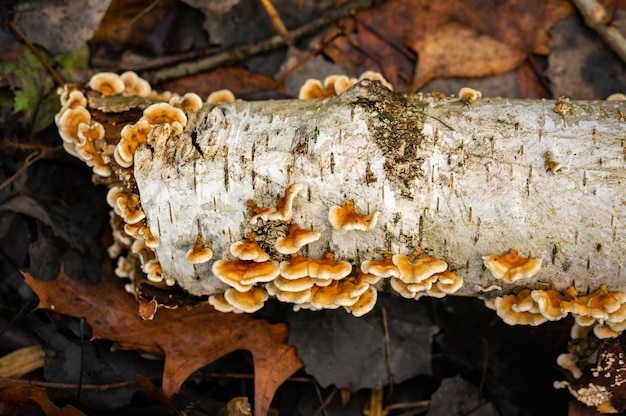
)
(453, 38)
(18, 397)
(189, 338)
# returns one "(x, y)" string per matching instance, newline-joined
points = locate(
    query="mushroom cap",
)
(199, 253)
(221, 96)
(324, 297)
(504, 309)
(284, 206)
(152, 269)
(421, 270)
(248, 250)
(327, 268)
(70, 120)
(220, 304)
(349, 290)
(401, 287)
(134, 85)
(312, 88)
(365, 304)
(449, 282)
(129, 206)
(604, 332)
(549, 304)
(249, 301)
(384, 268)
(295, 240)
(297, 298)
(164, 113)
(107, 83)
(344, 218)
(132, 135)
(242, 274)
(511, 267)
(469, 95)
(434, 292)
(293, 285)
(189, 103)
(296, 268)
(376, 76)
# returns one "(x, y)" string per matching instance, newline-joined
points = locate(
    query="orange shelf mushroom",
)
(511, 267)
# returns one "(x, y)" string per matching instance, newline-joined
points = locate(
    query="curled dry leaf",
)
(209, 335)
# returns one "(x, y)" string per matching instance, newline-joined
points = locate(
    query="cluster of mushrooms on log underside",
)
(254, 223)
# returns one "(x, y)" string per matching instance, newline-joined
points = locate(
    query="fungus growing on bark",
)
(551, 164)
(90, 147)
(164, 113)
(295, 240)
(242, 274)
(129, 206)
(220, 304)
(296, 268)
(344, 218)
(448, 282)
(418, 270)
(107, 83)
(68, 127)
(221, 96)
(199, 253)
(249, 250)
(507, 309)
(328, 269)
(382, 269)
(337, 85)
(511, 267)
(249, 301)
(549, 304)
(469, 95)
(284, 206)
(135, 85)
(132, 136)
(189, 103)
(365, 304)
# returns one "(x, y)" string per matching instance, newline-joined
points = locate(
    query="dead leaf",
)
(189, 338)
(453, 38)
(18, 397)
(456, 396)
(350, 352)
(243, 83)
(60, 26)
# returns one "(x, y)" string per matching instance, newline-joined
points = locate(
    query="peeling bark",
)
(458, 182)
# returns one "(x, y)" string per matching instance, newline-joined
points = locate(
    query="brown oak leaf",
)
(189, 338)
(16, 398)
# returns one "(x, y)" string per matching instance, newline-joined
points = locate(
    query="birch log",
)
(459, 182)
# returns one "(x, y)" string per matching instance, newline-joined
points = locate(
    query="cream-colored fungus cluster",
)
(337, 84)
(308, 283)
(601, 311)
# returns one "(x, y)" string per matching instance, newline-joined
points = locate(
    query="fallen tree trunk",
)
(457, 182)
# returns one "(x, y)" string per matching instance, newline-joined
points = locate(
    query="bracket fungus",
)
(344, 218)
(511, 266)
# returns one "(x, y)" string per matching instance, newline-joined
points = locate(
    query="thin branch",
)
(32, 158)
(42, 59)
(250, 49)
(597, 19)
(388, 352)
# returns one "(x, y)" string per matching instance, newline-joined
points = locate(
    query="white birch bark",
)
(459, 182)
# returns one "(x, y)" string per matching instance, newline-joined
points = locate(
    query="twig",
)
(388, 352)
(32, 158)
(277, 22)
(597, 19)
(322, 407)
(63, 386)
(42, 59)
(255, 48)
(310, 55)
